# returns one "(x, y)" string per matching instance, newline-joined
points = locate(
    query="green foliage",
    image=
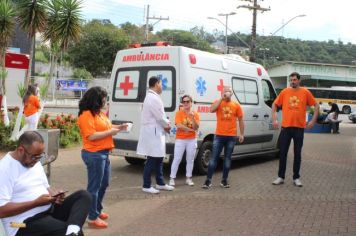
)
(69, 130)
(40, 57)
(5, 133)
(80, 73)
(98, 46)
(21, 90)
(7, 23)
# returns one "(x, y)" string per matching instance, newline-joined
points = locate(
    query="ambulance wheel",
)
(134, 161)
(204, 154)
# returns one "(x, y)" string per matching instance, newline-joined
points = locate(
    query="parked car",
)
(352, 116)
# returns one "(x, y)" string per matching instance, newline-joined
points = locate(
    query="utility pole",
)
(148, 18)
(256, 7)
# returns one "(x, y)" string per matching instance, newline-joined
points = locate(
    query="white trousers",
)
(181, 145)
(31, 122)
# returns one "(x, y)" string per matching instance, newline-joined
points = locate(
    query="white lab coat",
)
(152, 141)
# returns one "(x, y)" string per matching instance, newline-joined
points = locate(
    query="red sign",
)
(220, 87)
(147, 57)
(17, 61)
(203, 109)
(127, 85)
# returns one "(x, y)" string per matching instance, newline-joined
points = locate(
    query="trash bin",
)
(51, 140)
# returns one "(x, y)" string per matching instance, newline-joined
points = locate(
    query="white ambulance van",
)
(202, 75)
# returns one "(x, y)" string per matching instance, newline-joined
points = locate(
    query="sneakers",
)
(207, 184)
(189, 182)
(164, 187)
(171, 182)
(297, 183)
(150, 190)
(278, 181)
(97, 224)
(104, 216)
(224, 184)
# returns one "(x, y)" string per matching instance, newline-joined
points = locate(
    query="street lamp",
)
(286, 24)
(226, 28)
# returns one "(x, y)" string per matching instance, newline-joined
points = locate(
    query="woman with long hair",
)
(31, 107)
(96, 131)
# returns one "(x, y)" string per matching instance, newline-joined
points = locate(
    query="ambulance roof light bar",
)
(139, 45)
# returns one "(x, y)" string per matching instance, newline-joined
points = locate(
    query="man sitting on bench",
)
(28, 206)
(333, 121)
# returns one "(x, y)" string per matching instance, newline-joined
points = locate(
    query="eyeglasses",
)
(186, 101)
(34, 157)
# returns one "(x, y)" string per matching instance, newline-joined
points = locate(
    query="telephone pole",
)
(148, 17)
(256, 7)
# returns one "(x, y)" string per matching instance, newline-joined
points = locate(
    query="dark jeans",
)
(99, 170)
(334, 126)
(55, 221)
(220, 142)
(153, 163)
(287, 134)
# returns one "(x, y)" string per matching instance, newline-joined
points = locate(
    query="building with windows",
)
(313, 74)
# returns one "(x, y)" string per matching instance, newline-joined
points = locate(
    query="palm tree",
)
(32, 16)
(7, 26)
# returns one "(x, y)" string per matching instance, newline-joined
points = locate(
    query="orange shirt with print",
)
(226, 115)
(294, 104)
(88, 125)
(32, 105)
(183, 118)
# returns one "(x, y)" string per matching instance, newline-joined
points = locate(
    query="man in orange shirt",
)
(227, 113)
(294, 101)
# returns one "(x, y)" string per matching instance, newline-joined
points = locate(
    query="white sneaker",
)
(189, 182)
(297, 183)
(150, 190)
(278, 181)
(171, 182)
(164, 187)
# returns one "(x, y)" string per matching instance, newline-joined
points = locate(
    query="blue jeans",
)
(287, 134)
(220, 142)
(99, 170)
(153, 163)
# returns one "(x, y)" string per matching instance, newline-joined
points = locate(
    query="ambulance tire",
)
(135, 161)
(203, 157)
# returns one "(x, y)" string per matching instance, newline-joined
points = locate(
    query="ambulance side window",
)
(245, 90)
(269, 94)
(126, 85)
(166, 77)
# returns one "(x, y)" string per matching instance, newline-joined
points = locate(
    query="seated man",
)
(333, 121)
(28, 206)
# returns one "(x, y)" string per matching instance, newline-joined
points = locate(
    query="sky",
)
(324, 19)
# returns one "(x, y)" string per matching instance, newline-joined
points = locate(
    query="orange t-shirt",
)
(226, 115)
(184, 119)
(294, 104)
(88, 125)
(32, 105)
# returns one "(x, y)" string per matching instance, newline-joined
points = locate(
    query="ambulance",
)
(202, 75)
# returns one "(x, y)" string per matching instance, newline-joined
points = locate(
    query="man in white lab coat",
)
(152, 141)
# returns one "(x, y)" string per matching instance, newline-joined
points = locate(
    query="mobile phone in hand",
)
(60, 193)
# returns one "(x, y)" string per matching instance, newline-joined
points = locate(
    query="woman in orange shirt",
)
(31, 106)
(187, 123)
(96, 131)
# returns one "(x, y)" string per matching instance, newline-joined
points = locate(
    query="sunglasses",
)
(34, 157)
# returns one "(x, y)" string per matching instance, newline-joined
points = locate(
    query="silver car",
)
(352, 117)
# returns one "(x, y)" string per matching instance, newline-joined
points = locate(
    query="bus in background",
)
(344, 97)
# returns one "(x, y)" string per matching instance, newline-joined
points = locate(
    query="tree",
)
(32, 16)
(7, 26)
(98, 46)
(184, 38)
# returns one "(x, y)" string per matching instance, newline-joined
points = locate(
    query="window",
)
(269, 94)
(245, 90)
(126, 85)
(167, 86)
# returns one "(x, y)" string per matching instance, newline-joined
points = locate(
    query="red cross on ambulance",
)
(126, 85)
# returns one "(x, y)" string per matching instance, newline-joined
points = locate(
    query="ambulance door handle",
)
(266, 116)
(255, 116)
